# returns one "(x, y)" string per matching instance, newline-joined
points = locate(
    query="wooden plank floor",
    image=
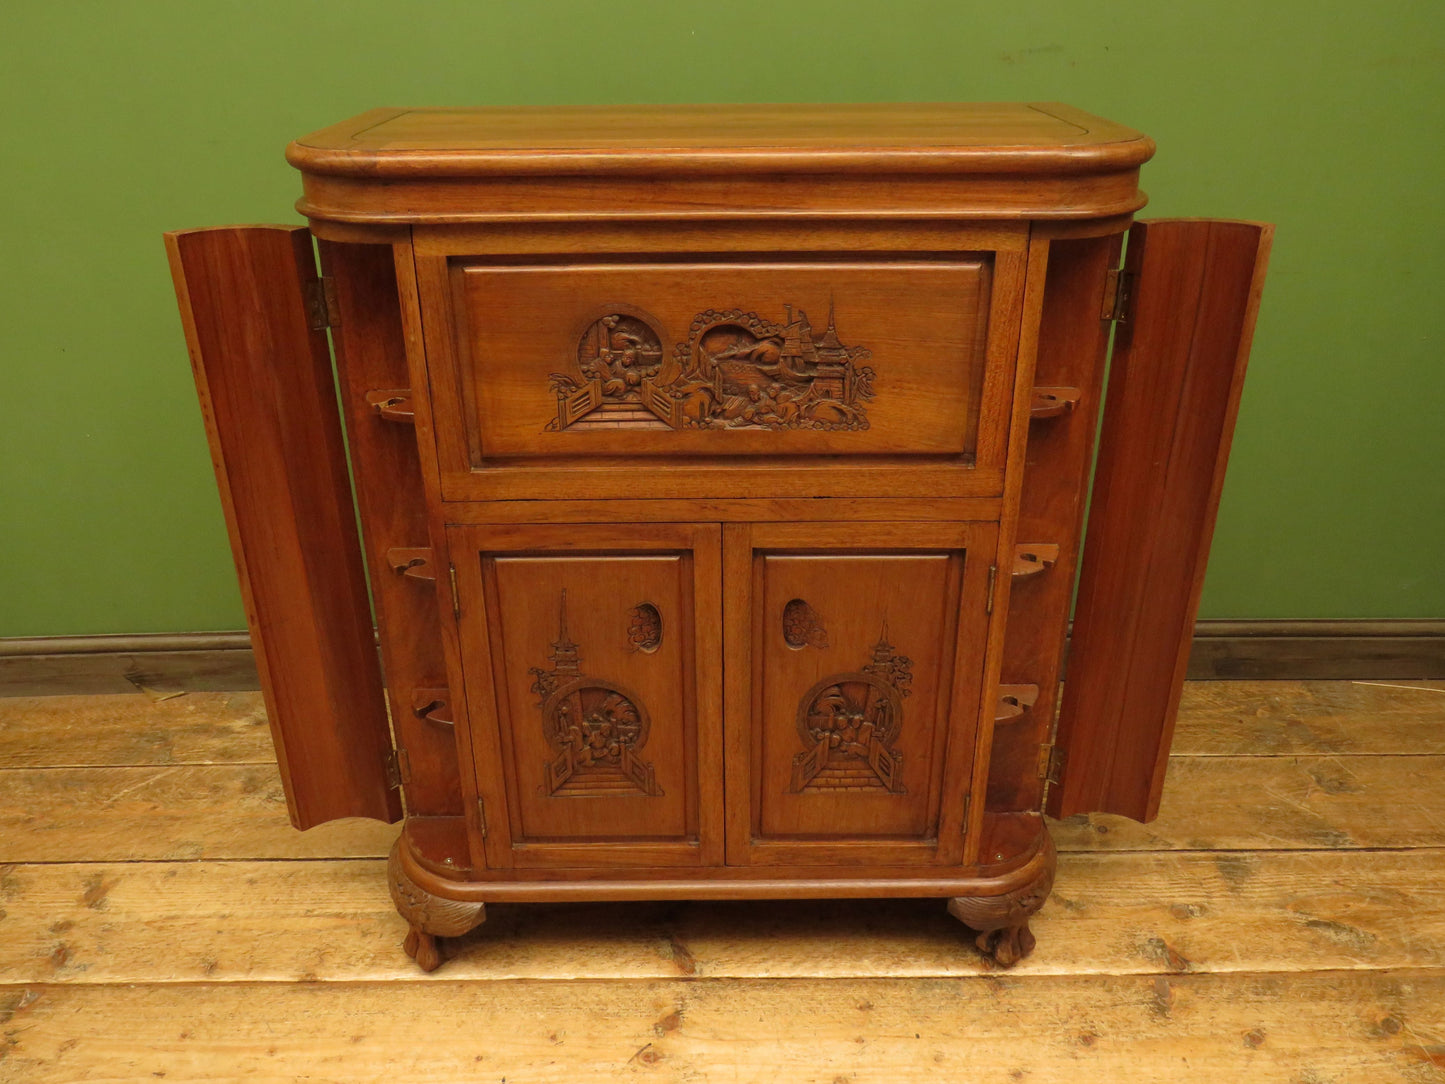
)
(1282, 920)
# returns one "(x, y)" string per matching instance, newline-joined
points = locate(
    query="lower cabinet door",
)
(854, 659)
(592, 660)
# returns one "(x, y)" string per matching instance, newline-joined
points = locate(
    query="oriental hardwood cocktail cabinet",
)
(721, 475)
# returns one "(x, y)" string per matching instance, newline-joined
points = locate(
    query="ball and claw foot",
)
(423, 948)
(430, 917)
(1002, 922)
(1007, 945)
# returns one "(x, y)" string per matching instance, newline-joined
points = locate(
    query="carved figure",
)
(595, 726)
(736, 370)
(848, 722)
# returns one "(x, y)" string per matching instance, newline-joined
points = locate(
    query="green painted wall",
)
(126, 119)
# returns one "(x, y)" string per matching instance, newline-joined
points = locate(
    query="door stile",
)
(741, 745)
(1029, 314)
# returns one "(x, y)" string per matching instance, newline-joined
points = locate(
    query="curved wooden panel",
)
(1068, 385)
(264, 380)
(370, 358)
(1173, 395)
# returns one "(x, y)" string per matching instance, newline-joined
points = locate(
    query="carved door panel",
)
(593, 679)
(855, 660)
(769, 357)
(821, 367)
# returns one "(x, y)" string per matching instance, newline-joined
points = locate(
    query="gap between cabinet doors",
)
(707, 755)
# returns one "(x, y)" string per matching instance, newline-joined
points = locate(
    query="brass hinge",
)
(482, 816)
(322, 309)
(398, 768)
(967, 809)
(1118, 296)
(992, 578)
(456, 595)
(1051, 763)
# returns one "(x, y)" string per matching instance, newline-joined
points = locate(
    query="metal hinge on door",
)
(482, 817)
(992, 578)
(456, 595)
(322, 310)
(1051, 763)
(1118, 296)
(398, 768)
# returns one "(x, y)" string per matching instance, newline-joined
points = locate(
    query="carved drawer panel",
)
(603, 700)
(776, 357)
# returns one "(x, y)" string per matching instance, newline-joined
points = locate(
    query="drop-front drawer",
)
(727, 374)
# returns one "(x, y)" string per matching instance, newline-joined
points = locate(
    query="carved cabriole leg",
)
(1002, 921)
(429, 916)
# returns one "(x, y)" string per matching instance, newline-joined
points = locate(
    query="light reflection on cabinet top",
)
(976, 160)
(888, 137)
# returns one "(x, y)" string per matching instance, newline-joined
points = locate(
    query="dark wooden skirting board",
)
(1373, 650)
(1304, 650)
(85, 665)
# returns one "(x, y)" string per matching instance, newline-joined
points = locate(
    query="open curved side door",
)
(263, 371)
(1174, 386)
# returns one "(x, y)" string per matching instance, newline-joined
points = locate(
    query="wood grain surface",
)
(928, 137)
(979, 160)
(370, 348)
(209, 921)
(263, 375)
(1373, 1026)
(1282, 920)
(1175, 380)
(132, 729)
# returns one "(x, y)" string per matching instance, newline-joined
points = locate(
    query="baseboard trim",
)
(222, 661)
(166, 662)
(1321, 650)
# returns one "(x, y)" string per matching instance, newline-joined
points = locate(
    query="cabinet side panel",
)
(265, 384)
(1173, 395)
(370, 357)
(1073, 342)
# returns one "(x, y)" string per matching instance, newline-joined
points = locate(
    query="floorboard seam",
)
(976, 976)
(1122, 852)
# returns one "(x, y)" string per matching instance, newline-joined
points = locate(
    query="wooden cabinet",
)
(721, 476)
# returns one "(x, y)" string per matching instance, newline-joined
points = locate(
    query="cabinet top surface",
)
(989, 137)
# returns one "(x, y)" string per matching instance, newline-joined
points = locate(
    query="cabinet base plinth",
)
(996, 903)
(1002, 921)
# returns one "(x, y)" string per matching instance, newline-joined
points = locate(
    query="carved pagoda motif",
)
(595, 726)
(848, 723)
(736, 370)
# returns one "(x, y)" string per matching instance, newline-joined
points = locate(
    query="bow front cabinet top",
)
(721, 476)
